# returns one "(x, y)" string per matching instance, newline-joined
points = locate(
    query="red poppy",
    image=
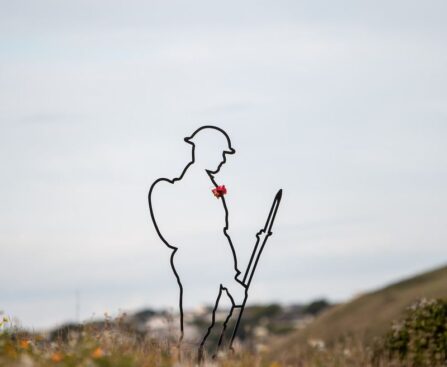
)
(219, 191)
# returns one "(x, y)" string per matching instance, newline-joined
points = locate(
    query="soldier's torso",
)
(187, 213)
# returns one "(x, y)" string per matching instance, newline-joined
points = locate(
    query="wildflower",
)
(219, 191)
(56, 357)
(317, 344)
(24, 343)
(97, 353)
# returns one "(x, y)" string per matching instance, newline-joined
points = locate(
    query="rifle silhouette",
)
(261, 239)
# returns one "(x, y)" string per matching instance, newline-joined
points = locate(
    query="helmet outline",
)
(190, 139)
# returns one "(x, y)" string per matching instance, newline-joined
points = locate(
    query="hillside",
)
(370, 314)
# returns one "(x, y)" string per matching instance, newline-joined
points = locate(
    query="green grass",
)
(109, 344)
(368, 316)
(114, 348)
(112, 345)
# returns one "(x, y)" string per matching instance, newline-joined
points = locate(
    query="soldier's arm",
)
(233, 251)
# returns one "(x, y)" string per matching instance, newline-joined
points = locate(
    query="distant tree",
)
(144, 315)
(315, 307)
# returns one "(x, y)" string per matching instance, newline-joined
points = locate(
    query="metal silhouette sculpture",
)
(224, 256)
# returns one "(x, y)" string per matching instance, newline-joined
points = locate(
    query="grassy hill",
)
(371, 314)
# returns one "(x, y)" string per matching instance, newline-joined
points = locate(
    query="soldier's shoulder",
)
(164, 186)
(160, 184)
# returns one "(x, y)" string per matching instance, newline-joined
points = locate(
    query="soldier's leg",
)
(179, 282)
(236, 292)
(211, 323)
(229, 320)
(192, 333)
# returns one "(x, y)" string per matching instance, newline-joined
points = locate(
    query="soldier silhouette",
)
(190, 216)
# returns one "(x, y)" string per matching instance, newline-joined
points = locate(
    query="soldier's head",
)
(210, 145)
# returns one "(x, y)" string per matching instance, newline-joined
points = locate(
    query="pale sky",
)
(341, 104)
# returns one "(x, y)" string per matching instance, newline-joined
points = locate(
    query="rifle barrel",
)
(262, 237)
